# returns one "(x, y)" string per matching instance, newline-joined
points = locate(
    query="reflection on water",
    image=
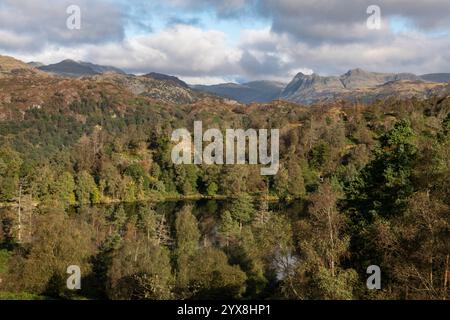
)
(207, 212)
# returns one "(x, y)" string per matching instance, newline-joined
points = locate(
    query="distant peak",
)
(69, 60)
(165, 77)
(356, 71)
(302, 75)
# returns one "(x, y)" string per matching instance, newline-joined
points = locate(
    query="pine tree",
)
(87, 191)
(228, 228)
(65, 188)
(242, 209)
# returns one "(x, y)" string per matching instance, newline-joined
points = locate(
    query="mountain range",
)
(73, 68)
(355, 85)
(255, 91)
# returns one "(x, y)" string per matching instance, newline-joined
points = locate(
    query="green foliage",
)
(212, 189)
(10, 163)
(386, 182)
(4, 260)
(108, 147)
(187, 244)
(319, 155)
(242, 209)
(65, 188)
(140, 270)
(87, 191)
(59, 242)
(213, 278)
(229, 228)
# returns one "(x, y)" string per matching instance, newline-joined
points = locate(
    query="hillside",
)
(256, 91)
(25, 88)
(436, 77)
(94, 154)
(10, 66)
(71, 68)
(358, 84)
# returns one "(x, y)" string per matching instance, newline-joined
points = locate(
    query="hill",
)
(256, 91)
(71, 68)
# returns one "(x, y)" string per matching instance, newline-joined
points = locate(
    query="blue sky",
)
(162, 15)
(210, 41)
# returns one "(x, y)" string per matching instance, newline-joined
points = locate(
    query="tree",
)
(119, 219)
(296, 184)
(10, 163)
(212, 189)
(65, 188)
(415, 248)
(147, 221)
(140, 270)
(242, 209)
(213, 278)
(58, 242)
(319, 155)
(87, 191)
(323, 245)
(163, 236)
(229, 228)
(386, 182)
(381, 192)
(188, 237)
(281, 181)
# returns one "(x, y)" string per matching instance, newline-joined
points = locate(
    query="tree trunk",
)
(431, 272)
(330, 226)
(19, 235)
(444, 295)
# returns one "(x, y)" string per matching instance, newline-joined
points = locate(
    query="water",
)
(207, 212)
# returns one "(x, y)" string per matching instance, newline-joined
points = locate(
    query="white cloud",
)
(328, 37)
(45, 22)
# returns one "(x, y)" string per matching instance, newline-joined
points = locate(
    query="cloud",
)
(181, 50)
(45, 23)
(335, 21)
(408, 52)
(327, 36)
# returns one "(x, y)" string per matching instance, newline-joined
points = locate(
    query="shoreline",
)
(35, 204)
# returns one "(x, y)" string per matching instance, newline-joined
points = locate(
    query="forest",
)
(89, 183)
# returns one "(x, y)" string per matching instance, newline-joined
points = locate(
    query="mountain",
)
(256, 91)
(11, 67)
(24, 88)
(358, 78)
(162, 87)
(165, 77)
(356, 84)
(436, 77)
(35, 64)
(71, 68)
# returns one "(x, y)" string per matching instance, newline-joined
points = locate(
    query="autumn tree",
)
(58, 242)
(140, 270)
(187, 244)
(323, 244)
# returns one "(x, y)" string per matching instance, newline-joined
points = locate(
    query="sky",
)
(215, 41)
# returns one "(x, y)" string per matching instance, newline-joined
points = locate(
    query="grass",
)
(4, 258)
